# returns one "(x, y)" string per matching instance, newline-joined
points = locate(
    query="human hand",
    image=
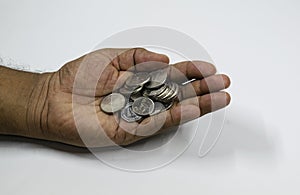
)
(67, 108)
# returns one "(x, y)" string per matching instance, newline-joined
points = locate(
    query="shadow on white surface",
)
(142, 145)
(245, 136)
(24, 142)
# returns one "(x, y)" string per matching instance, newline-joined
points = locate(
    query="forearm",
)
(17, 90)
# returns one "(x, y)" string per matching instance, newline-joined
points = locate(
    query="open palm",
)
(72, 114)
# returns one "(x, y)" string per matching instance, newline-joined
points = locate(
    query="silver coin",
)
(112, 103)
(125, 91)
(143, 106)
(155, 92)
(138, 79)
(172, 93)
(158, 108)
(169, 93)
(128, 115)
(158, 78)
(164, 93)
(175, 92)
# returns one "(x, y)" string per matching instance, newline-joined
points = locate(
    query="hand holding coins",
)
(143, 94)
(118, 96)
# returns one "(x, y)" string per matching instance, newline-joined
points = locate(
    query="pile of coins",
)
(143, 94)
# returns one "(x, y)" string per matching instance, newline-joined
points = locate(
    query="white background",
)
(255, 42)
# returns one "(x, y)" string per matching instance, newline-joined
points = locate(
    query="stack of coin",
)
(143, 94)
(166, 93)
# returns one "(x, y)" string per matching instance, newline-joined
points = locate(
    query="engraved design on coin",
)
(128, 115)
(143, 106)
(112, 103)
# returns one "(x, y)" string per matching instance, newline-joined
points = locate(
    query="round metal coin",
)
(164, 93)
(170, 93)
(158, 78)
(143, 106)
(155, 92)
(138, 79)
(128, 115)
(125, 91)
(175, 94)
(113, 103)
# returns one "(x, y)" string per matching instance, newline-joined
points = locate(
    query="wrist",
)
(37, 106)
(22, 95)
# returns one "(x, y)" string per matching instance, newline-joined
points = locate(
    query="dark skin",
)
(50, 106)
